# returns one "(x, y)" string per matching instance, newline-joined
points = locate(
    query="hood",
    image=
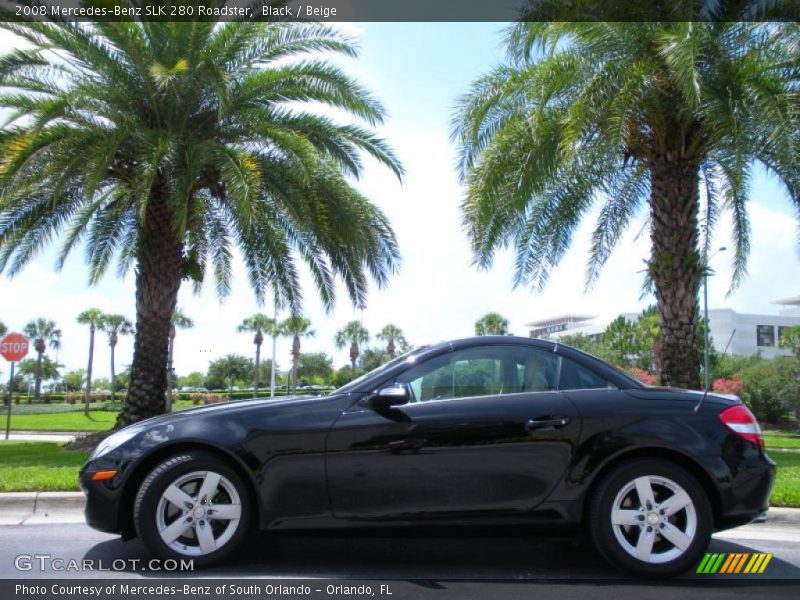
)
(231, 406)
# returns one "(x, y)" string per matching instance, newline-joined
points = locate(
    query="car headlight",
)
(115, 440)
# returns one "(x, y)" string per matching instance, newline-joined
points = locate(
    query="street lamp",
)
(706, 374)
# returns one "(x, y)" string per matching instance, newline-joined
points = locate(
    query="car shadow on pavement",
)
(432, 555)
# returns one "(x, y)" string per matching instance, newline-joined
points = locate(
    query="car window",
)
(483, 371)
(576, 377)
(455, 376)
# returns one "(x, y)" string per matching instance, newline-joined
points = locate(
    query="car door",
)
(485, 432)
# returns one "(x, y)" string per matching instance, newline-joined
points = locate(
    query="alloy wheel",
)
(198, 513)
(654, 519)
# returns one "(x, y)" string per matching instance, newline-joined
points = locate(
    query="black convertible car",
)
(486, 430)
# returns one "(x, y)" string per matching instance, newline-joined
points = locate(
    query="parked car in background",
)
(485, 430)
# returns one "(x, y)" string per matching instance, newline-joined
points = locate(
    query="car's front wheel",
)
(192, 506)
(651, 517)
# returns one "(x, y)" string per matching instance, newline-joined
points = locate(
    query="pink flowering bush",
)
(643, 376)
(728, 386)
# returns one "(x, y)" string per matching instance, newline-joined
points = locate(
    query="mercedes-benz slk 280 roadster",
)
(485, 430)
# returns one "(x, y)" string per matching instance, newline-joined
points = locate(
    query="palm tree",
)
(491, 323)
(43, 333)
(115, 326)
(258, 324)
(91, 317)
(180, 321)
(48, 369)
(393, 336)
(628, 115)
(354, 333)
(297, 327)
(201, 137)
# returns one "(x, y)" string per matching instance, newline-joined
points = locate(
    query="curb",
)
(34, 508)
(781, 517)
(41, 432)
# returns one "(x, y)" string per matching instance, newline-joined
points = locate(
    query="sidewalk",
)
(36, 508)
(41, 436)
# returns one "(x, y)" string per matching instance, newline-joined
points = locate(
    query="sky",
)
(417, 70)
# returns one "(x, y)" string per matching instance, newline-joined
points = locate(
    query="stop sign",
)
(14, 347)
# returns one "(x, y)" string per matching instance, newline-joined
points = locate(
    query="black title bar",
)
(402, 10)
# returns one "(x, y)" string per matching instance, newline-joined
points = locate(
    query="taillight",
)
(741, 421)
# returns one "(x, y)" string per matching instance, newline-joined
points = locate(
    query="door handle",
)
(546, 423)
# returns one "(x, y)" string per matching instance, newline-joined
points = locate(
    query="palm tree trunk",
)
(113, 374)
(158, 279)
(258, 367)
(353, 357)
(295, 361)
(294, 374)
(675, 268)
(272, 369)
(168, 407)
(38, 386)
(88, 393)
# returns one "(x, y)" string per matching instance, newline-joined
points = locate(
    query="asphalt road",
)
(419, 564)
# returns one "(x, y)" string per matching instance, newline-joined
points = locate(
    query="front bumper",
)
(102, 499)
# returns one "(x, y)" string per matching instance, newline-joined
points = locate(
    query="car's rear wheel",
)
(650, 517)
(192, 506)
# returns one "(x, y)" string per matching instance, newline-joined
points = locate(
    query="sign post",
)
(13, 347)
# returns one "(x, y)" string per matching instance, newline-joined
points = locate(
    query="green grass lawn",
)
(38, 467)
(98, 420)
(787, 484)
(781, 439)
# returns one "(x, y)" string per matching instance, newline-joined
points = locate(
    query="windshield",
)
(408, 357)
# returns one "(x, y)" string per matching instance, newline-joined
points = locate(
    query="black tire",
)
(185, 469)
(615, 542)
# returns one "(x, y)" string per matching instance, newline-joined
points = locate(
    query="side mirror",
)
(394, 395)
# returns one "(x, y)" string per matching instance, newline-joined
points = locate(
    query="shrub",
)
(772, 388)
(728, 386)
(214, 398)
(730, 366)
(643, 376)
(345, 375)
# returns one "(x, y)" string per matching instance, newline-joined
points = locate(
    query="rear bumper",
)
(745, 484)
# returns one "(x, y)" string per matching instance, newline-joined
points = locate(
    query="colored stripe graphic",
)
(701, 568)
(729, 563)
(741, 562)
(711, 563)
(753, 564)
(765, 563)
(734, 562)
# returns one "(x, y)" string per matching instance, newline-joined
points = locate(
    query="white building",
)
(555, 327)
(732, 332)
